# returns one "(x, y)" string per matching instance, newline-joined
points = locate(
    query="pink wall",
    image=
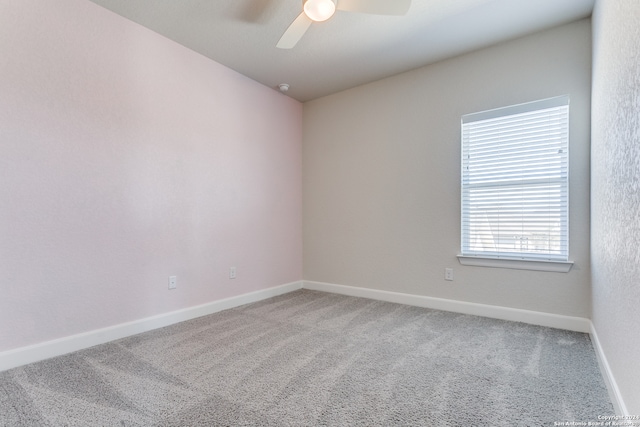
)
(126, 158)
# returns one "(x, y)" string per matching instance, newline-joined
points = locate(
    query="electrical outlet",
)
(173, 282)
(448, 274)
(232, 272)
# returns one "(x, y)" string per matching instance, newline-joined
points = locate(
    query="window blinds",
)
(515, 181)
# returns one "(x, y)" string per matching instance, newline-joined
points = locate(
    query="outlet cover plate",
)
(448, 274)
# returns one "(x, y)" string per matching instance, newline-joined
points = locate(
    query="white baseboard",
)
(577, 324)
(612, 386)
(34, 353)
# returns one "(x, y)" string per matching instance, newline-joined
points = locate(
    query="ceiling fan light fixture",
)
(319, 10)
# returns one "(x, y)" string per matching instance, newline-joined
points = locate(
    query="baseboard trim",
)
(37, 352)
(577, 324)
(34, 353)
(609, 380)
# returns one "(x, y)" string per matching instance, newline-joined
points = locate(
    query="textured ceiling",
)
(351, 48)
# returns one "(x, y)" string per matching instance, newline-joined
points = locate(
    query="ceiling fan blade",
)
(375, 7)
(295, 32)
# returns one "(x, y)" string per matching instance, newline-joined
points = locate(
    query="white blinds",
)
(515, 181)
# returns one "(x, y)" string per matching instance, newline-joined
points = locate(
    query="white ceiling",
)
(351, 48)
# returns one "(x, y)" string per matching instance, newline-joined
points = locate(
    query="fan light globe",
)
(319, 10)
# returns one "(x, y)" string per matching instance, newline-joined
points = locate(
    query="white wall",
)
(126, 158)
(615, 193)
(381, 171)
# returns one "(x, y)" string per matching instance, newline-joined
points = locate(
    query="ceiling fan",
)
(321, 10)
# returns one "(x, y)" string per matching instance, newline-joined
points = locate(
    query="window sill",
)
(517, 264)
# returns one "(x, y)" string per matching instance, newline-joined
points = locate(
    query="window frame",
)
(514, 260)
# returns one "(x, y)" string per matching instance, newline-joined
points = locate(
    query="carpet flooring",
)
(316, 359)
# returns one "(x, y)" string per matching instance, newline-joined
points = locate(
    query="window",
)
(515, 183)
